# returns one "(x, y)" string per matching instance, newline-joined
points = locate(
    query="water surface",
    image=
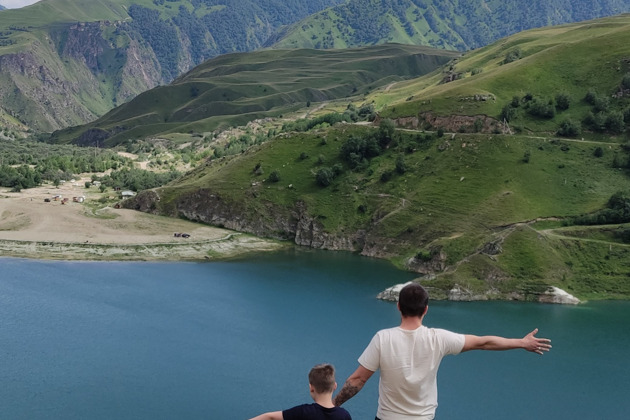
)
(228, 340)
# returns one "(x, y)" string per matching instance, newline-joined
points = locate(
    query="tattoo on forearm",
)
(348, 391)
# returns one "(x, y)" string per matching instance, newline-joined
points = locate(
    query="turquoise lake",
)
(229, 340)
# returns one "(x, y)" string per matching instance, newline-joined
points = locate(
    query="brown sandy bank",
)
(33, 228)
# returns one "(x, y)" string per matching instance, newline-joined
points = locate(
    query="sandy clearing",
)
(31, 227)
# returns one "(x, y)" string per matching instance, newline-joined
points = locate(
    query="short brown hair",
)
(413, 300)
(322, 378)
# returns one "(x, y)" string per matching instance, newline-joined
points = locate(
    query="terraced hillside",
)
(236, 88)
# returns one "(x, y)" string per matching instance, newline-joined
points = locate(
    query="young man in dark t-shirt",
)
(321, 382)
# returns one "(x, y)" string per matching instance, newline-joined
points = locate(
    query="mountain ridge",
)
(64, 63)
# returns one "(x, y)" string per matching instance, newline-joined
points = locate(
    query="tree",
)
(324, 176)
(563, 101)
(512, 56)
(508, 113)
(386, 130)
(401, 167)
(614, 122)
(274, 176)
(569, 128)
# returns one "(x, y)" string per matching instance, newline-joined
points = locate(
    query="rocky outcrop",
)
(556, 295)
(296, 224)
(461, 294)
(454, 123)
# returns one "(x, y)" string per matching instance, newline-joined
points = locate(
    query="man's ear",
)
(311, 389)
(335, 387)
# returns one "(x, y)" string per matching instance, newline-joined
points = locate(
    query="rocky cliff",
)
(75, 73)
(294, 224)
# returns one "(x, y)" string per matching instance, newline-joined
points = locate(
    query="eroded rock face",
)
(296, 225)
(556, 295)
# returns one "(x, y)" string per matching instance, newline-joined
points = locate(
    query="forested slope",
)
(450, 24)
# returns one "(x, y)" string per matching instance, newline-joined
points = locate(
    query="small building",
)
(127, 194)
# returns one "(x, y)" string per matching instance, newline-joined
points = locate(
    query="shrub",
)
(324, 177)
(614, 122)
(401, 167)
(478, 125)
(569, 128)
(355, 150)
(563, 101)
(596, 122)
(512, 56)
(590, 97)
(600, 102)
(508, 113)
(386, 176)
(625, 82)
(598, 152)
(274, 176)
(539, 108)
(337, 169)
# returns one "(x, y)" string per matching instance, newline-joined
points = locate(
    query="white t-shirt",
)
(409, 361)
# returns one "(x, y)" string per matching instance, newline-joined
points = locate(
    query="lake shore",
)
(35, 225)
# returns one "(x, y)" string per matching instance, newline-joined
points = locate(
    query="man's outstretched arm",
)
(353, 385)
(530, 343)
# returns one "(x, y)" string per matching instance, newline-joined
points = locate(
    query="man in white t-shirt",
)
(409, 356)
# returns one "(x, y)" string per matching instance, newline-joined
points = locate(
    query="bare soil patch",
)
(33, 227)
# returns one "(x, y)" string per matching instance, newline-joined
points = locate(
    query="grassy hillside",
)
(552, 62)
(495, 215)
(236, 88)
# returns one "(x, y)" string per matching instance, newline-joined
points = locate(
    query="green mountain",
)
(234, 89)
(449, 24)
(66, 62)
(469, 176)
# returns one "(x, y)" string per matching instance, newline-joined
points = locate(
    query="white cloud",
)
(16, 4)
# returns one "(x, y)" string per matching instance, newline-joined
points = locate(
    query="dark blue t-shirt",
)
(315, 412)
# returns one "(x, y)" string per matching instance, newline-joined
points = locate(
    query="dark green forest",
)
(216, 27)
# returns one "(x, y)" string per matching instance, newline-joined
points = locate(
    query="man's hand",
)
(534, 344)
